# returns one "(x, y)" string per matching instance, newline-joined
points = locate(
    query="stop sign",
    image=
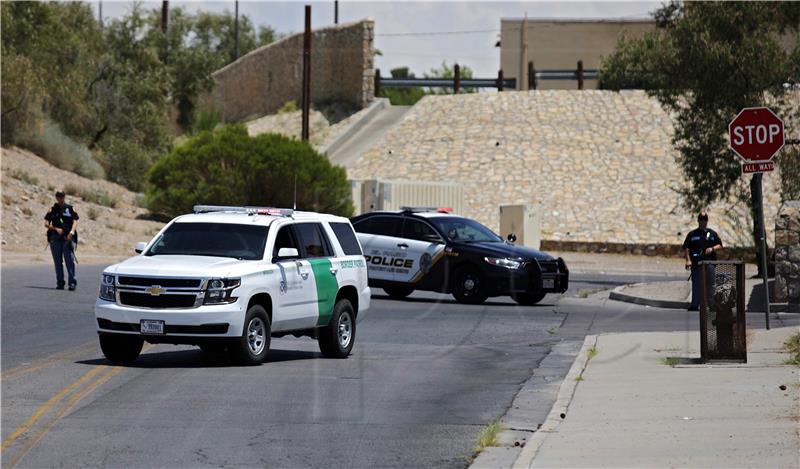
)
(756, 134)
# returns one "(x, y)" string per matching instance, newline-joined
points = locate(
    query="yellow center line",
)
(31, 442)
(48, 405)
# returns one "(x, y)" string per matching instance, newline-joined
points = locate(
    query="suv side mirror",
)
(140, 246)
(287, 253)
(511, 237)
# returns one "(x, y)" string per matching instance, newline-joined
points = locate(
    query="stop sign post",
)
(756, 135)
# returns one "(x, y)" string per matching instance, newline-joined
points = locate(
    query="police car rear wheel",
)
(253, 346)
(469, 286)
(121, 347)
(398, 292)
(528, 299)
(337, 338)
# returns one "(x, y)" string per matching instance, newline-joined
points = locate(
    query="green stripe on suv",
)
(327, 287)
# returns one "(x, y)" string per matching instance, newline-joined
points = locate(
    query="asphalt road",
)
(427, 374)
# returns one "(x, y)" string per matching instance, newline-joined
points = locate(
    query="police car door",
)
(296, 293)
(425, 248)
(383, 248)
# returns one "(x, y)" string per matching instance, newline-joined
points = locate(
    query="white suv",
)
(231, 278)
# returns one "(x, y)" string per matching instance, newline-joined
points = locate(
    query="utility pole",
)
(523, 54)
(335, 11)
(164, 16)
(306, 73)
(236, 30)
(100, 13)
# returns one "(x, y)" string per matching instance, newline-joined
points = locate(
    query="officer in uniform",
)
(61, 222)
(701, 244)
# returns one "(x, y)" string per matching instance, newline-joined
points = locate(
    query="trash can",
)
(723, 336)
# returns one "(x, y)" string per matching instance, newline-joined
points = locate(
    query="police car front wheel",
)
(253, 346)
(337, 338)
(528, 299)
(398, 293)
(469, 285)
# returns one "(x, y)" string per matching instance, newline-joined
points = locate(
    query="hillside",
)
(108, 225)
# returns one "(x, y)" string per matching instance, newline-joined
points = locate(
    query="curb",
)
(563, 400)
(616, 294)
(378, 105)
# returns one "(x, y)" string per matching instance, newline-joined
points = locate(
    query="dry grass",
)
(488, 436)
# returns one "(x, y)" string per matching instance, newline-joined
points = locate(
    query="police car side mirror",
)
(287, 253)
(511, 237)
(140, 247)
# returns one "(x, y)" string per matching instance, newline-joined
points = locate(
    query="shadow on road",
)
(454, 302)
(199, 359)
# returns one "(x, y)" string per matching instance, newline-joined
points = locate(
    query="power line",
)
(440, 33)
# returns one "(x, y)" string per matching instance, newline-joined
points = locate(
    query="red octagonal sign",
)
(756, 134)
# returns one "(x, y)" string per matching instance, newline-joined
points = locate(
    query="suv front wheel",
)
(253, 346)
(121, 347)
(337, 338)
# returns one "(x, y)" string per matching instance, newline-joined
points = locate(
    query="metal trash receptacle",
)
(723, 335)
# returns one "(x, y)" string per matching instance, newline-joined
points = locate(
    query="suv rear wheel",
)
(337, 338)
(528, 299)
(121, 347)
(253, 346)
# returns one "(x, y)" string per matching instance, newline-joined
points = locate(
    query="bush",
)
(48, 141)
(288, 106)
(228, 167)
(205, 118)
(126, 163)
(94, 196)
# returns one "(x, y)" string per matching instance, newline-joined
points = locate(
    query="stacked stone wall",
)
(265, 79)
(600, 163)
(787, 254)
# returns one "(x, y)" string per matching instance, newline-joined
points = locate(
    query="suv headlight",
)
(108, 288)
(503, 262)
(220, 290)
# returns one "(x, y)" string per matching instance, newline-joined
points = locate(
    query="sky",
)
(472, 28)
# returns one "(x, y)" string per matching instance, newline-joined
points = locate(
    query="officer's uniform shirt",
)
(61, 217)
(697, 241)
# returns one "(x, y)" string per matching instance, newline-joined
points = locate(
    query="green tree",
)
(448, 71)
(705, 62)
(229, 167)
(402, 96)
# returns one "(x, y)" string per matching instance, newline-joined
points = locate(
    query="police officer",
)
(701, 244)
(61, 222)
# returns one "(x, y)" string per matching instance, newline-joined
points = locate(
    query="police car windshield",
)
(211, 239)
(464, 230)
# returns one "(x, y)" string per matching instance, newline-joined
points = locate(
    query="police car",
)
(231, 278)
(423, 248)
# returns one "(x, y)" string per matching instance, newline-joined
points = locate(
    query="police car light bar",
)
(281, 212)
(427, 209)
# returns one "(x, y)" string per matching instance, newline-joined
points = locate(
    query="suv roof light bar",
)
(427, 209)
(282, 212)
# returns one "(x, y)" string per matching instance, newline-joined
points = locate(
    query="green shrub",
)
(24, 176)
(228, 167)
(792, 346)
(126, 163)
(206, 117)
(48, 141)
(288, 106)
(94, 196)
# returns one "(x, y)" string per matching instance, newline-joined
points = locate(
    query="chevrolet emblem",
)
(155, 290)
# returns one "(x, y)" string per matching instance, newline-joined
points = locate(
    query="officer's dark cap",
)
(703, 216)
(60, 194)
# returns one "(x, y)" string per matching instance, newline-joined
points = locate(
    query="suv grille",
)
(147, 300)
(163, 282)
(548, 266)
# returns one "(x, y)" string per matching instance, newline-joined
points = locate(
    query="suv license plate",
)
(548, 283)
(147, 326)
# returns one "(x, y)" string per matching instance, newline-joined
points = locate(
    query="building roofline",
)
(580, 20)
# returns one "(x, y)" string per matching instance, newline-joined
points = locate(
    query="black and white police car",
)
(423, 248)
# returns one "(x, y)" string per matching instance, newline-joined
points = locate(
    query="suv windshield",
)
(211, 239)
(464, 230)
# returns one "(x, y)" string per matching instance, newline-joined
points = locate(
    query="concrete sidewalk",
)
(625, 406)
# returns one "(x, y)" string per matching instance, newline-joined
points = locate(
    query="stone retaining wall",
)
(265, 79)
(787, 254)
(600, 163)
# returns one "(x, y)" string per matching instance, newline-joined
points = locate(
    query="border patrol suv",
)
(430, 249)
(231, 278)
